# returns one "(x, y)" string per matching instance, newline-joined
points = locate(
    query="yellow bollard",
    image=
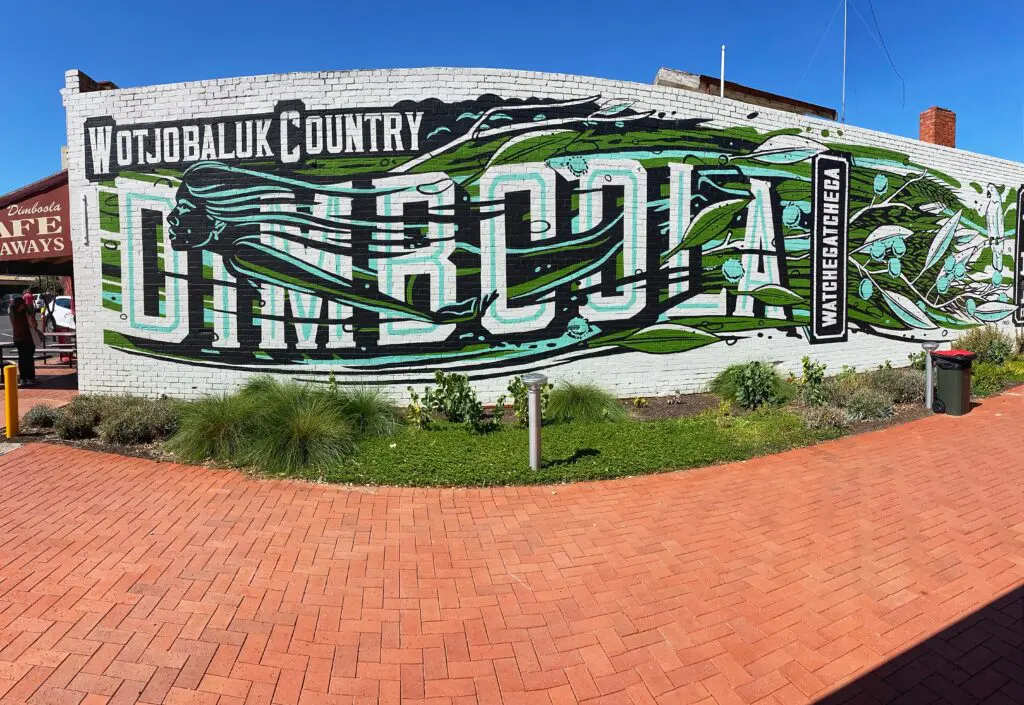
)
(11, 399)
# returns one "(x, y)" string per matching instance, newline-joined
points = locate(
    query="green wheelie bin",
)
(953, 388)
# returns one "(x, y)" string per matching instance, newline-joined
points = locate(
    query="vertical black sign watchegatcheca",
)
(829, 247)
(1018, 258)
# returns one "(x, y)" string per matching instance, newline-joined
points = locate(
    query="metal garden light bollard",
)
(929, 381)
(534, 381)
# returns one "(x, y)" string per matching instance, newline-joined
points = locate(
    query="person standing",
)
(23, 323)
(29, 300)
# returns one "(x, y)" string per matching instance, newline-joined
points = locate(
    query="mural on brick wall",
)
(493, 232)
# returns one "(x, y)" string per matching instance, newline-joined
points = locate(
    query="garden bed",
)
(445, 436)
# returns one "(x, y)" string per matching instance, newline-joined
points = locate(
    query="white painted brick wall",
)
(103, 369)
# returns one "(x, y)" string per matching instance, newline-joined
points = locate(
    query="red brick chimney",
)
(938, 126)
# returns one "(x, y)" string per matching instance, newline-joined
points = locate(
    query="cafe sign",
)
(36, 227)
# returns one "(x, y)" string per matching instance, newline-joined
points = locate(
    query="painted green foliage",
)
(927, 253)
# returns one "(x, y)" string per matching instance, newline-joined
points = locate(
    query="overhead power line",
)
(880, 41)
(824, 34)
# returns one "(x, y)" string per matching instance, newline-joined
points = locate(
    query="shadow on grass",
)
(978, 659)
(575, 457)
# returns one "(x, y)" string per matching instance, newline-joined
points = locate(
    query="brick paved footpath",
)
(777, 580)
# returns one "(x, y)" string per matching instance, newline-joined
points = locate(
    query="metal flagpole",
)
(846, 7)
(721, 84)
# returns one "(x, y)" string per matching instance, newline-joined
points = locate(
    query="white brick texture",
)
(596, 175)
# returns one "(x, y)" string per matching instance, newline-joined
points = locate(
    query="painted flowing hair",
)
(244, 197)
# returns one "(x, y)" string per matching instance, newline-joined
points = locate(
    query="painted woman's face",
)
(190, 224)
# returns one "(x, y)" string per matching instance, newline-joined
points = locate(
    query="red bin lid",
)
(953, 353)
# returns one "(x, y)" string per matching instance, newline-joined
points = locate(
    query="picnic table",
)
(48, 348)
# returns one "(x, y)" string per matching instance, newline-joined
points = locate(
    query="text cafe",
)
(34, 229)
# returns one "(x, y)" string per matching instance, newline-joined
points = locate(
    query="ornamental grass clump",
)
(296, 429)
(216, 427)
(367, 410)
(584, 403)
(276, 427)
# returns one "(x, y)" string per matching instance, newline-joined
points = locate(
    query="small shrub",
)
(498, 412)
(162, 416)
(367, 410)
(75, 423)
(454, 399)
(902, 385)
(585, 403)
(1015, 368)
(868, 403)
(98, 406)
(838, 390)
(639, 402)
(988, 379)
(125, 428)
(520, 394)
(756, 385)
(918, 361)
(142, 422)
(752, 385)
(811, 380)
(823, 418)
(298, 429)
(417, 412)
(213, 428)
(988, 342)
(41, 416)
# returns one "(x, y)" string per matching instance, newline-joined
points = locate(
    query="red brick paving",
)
(778, 580)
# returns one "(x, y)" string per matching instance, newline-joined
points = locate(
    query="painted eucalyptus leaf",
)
(992, 311)
(613, 109)
(787, 149)
(933, 208)
(940, 243)
(907, 311)
(884, 232)
(516, 149)
(709, 223)
(773, 295)
(663, 338)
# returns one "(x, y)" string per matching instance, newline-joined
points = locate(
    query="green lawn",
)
(450, 456)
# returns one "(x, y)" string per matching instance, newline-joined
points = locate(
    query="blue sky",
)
(958, 54)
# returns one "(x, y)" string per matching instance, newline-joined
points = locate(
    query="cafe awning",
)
(35, 228)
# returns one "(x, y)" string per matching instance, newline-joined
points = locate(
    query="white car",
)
(62, 314)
